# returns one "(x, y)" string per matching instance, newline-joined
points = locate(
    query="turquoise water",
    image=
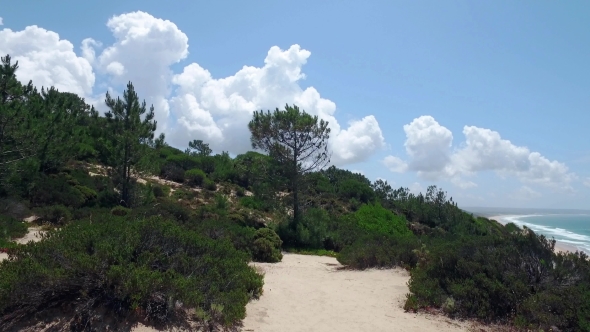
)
(570, 229)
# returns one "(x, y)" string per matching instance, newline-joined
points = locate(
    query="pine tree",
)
(295, 139)
(130, 137)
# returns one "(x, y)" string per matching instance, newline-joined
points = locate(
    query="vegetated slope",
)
(150, 228)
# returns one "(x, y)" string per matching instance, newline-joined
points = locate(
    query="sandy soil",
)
(308, 293)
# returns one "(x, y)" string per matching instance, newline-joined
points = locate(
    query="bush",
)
(120, 211)
(55, 190)
(247, 218)
(377, 220)
(56, 214)
(173, 172)
(210, 185)
(267, 246)
(10, 228)
(310, 232)
(250, 202)
(195, 177)
(121, 269)
(380, 251)
(160, 191)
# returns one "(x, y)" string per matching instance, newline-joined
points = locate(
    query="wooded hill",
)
(144, 231)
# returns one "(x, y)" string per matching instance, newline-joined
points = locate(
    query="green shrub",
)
(247, 218)
(381, 251)
(240, 192)
(11, 228)
(160, 191)
(210, 185)
(378, 220)
(152, 267)
(55, 190)
(172, 172)
(120, 211)
(250, 202)
(267, 246)
(195, 177)
(55, 214)
(310, 232)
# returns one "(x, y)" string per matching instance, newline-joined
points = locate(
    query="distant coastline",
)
(559, 246)
(502, 215)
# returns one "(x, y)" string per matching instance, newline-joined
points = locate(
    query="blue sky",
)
(516, 73)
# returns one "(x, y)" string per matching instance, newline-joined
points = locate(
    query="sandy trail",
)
(308, 293)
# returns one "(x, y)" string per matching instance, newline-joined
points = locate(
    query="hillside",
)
(142, 232)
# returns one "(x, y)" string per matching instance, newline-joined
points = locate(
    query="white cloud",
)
(416, 188)
(191, 104)
(524, 193)
(1, 21)
(88, 52)
(428, 145)
(143, 51)
(47, 60)
(221, 108)
(587, 182)
(395, 164)
(429, 148)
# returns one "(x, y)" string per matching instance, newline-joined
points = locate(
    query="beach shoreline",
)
(560, 247)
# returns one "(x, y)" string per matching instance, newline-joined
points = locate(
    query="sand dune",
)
(308, 293)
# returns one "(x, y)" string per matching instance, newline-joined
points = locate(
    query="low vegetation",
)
(165, 236)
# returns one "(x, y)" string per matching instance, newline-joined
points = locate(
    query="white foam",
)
(580, 241)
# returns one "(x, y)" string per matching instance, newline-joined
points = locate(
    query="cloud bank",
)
(430, 152)
(191, 104)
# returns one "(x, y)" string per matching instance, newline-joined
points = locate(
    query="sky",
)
(488, 100)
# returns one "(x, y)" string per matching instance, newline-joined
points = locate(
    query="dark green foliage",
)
(380, 251)
(295, 139)
(10, 228)
(144, 266)
(195, 177)
(160, 191)
(311, 232)
(209, 185)
(247, 217)
(250, 202)
(130, 124)
(56, 189)
(198, 148)
(267, 246)
(120, 211)
(54, 214)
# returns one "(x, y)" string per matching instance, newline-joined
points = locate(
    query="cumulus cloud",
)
(145, 47)
(191, 104)
(47, 60)
(1, 21)
(587, 182)
(431, 154)
(395, 164)
(219, 109)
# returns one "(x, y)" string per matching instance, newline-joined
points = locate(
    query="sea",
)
(568, 227)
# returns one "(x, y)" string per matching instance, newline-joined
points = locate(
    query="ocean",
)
(569, 227)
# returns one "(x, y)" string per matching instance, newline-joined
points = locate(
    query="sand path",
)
(34, 234)
(308, 293)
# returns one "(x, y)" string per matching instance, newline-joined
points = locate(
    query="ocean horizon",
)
(568, 227)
